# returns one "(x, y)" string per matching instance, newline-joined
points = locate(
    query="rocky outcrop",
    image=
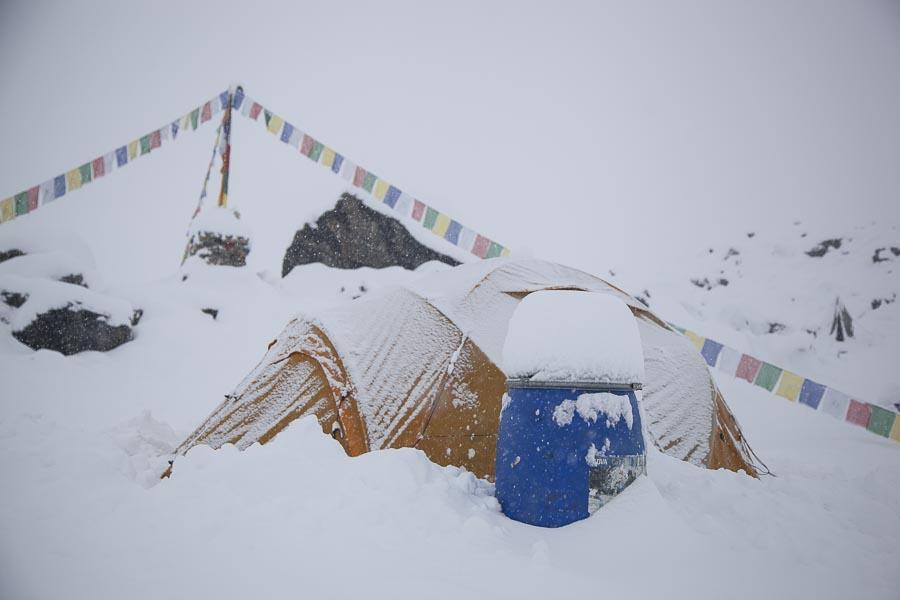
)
(220, 250)
(71, 330)
(352, 235)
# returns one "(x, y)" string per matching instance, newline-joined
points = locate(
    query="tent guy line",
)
(789, 385)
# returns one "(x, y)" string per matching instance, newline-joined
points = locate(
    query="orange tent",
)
(416, 366)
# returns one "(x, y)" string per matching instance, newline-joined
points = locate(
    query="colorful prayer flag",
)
(174, 127)
(811, 393)
(767, 376)
(466, 239)
(316, 151)
(206, 113)
(267, 116)
(336, 165)
(275, 123)
(696, 340)
(881, 421)
(109, 162)
(7, 210)
(441, 223)
(286, 132)
(85, 173)
(98, 168)
(895, 430)
(790, 386)
(368, 182)
(121, 156)
(358, 177)
(430, 218)
(348, 170)
(710, 351)
(859, 413)
(164, 132)
(59, 186)
(254, 111)
(21, 201)
(195, 116)
(223, 99)
(155, 140)
(418, 210)
(481, 245)
(834, 403)
(33, 196)
(381, 188)
(494, 250)
(73, 179)
(214, 106)
(504, 252)
(145, 145)
(238, 98)
(307, 145)
(747, 368)
(47, 194)
(452, 233)
(729, 359)
(391, 196)
(295, 137)
(327, 157)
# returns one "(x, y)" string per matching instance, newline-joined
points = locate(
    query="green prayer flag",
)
(195, 116)
(316, 151)
(431, 216)
(767, 376)
(494, 250)
(881, 421)
(145, 145)
(85, 173)
(268, 117)
(21, 202)
(368, 182)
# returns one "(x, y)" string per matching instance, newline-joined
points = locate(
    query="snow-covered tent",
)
(417, 366)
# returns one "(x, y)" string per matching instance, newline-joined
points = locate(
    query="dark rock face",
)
(824, 246)
(352, 235)
(74, 279)
(71, 330)
(220, 250)
(13, 299)
(11, 253)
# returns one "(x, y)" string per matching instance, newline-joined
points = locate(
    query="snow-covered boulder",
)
(352, 236)
(219, 238)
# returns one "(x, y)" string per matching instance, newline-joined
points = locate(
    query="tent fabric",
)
(417, 366)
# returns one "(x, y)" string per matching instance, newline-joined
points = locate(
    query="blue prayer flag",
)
(391, 196)
(452, 233)
(811, 393)
(59, 186)
(711, 351)
(338, 161)
(223, 100)
(238, 98)
(286, 132)
(121, 156)
(174, 129)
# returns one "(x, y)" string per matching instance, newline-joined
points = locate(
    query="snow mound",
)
(573, 336)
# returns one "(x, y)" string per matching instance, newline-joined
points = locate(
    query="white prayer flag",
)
(729, 359)
(835, 403)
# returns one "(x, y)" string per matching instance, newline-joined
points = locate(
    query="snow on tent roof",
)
(407, 367)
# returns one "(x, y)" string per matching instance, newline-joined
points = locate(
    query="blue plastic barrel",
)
(564, 452)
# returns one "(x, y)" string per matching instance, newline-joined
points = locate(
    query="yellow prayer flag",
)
(275, 124)
(132, 150)
(381, 188)
(441, 224)
(695, 339)
(895, 430)
(73, 179)
(327, 157)
(790, 386)
(186, 124)
(7, 210)
(504, 252)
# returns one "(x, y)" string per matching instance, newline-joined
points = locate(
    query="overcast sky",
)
(557, 126)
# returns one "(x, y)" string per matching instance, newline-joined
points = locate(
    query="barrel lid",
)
(594, 386)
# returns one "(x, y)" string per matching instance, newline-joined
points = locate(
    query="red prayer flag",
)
(255, 110)
(748, 368)
(206, 113)
(481, 245)
(359, 176)
(33, 197)
(307, 145)
(859, 413)
(97, 165)
(155, 139)
(418, 210)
